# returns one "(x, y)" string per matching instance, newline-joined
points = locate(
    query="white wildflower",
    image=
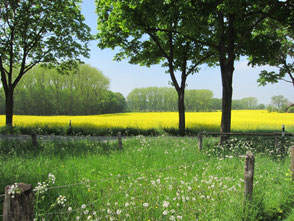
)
(61, 200)
(41, 188)
(14, 190)
(165, 204)
(51, 178)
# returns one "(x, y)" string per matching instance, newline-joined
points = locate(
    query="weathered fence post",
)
(292, 162)
(119, 141)
(34, 140)
(200, 141)
(69, 130)
(248, 176)
(18, 203)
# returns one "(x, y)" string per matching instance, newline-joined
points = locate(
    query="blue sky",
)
(124, 77)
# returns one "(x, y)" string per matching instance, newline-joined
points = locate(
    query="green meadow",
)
(152, 178)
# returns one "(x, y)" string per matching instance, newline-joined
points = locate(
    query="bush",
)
(291, 110)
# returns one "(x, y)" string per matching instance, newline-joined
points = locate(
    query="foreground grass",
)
(154, 123)
(157, 178)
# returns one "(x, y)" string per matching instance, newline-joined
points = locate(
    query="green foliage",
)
(281, 59)
(291, 110)
(165, 99)
(41, 31)
(148, 33)
(82, 91)
(51, 33)
(185, 34)
(278, 103)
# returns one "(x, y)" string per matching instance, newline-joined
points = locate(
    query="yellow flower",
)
(241, 120)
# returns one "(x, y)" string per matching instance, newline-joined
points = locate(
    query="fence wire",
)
(124, 176)
(168, 168)
(131, 175)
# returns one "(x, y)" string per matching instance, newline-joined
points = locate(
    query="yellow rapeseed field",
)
(241, 120)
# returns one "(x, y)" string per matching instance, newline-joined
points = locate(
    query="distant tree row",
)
(84, 91)
(165, 99)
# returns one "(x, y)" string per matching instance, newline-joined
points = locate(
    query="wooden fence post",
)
(19, 204)
(119, 141)
(292, 162)
(34, 140)
(248, 176)
(200, 141)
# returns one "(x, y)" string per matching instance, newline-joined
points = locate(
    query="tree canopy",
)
(38, 31)
(283, 59)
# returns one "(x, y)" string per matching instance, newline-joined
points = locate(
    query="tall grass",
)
(155, 178)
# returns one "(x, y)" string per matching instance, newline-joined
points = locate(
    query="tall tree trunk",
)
(181, 108)
(226, 59)
(227, 79)
(9, 105)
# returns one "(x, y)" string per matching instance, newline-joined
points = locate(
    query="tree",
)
(231, 34)
(280, 103)
(114, 103)
(216, 104)
(146, 32)
(38, 31)
(198, 100)
(249, 103)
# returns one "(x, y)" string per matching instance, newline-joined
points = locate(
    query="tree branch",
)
(170, 62)
(200, 62)
(27, 68)
(3, 75)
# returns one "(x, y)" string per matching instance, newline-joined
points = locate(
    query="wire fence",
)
(134, 174)
(155, 203)
(134, 190)
(125, 176)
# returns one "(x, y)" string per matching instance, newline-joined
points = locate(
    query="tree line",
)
(165, 99)
(84, 91)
